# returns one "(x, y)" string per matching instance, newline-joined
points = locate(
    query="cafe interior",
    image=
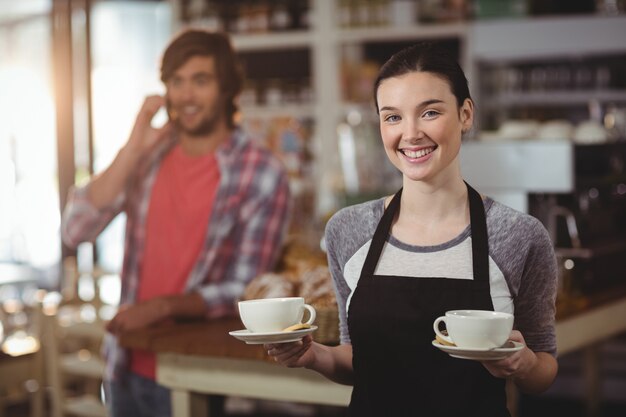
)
(549, 139)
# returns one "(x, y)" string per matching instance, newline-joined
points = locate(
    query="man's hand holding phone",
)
(144, 136)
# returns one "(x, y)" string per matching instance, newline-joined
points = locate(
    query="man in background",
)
(207, 210)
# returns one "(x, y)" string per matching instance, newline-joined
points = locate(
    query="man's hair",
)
(193, 42)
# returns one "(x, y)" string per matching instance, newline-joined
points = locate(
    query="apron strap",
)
(480, 241)
(480, 244)
(380, 236)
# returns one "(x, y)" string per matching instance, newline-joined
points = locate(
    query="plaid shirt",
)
(243, 238)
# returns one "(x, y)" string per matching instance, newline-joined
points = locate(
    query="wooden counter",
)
(197, 358)
(200, 338)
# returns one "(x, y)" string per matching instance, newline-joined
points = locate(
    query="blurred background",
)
(548, 78)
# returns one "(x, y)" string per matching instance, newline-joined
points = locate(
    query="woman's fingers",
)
(288, 353)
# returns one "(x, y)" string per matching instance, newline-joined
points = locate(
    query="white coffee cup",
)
(267, 315)
(475, 329)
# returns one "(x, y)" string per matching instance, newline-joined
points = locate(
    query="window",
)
(127, 41)
(29, 197)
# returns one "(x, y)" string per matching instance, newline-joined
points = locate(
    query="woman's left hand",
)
(516, 365)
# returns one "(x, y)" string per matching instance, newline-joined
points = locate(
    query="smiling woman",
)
(399, 262)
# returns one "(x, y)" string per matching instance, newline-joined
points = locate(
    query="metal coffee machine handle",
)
(570, 222)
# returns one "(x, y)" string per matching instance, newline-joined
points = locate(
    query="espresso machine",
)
(588, 224)
(577, 191)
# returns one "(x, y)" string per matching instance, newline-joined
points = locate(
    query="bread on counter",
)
(301, 273)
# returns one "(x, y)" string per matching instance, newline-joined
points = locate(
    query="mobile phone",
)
(168, 108)
(162, 116)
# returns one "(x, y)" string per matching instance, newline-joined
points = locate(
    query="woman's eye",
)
(430, 114)
(392, 118)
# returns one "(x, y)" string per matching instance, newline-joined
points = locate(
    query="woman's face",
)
(421, 124)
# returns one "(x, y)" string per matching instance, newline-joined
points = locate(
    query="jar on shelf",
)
(403, 12)
(344, 13)
(273, 94)
(259, 17)
(248, 96)
(280, 18)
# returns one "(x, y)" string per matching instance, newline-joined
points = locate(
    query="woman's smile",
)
(418, 155)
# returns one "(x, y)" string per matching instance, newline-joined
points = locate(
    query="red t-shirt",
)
(178, 216)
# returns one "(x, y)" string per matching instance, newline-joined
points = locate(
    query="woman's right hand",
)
(293, 355)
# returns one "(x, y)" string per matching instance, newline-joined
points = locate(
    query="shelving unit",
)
(519, 40)
(299, 111)
(270, 41)
(559, 98)
(480, 43)
(397, 33)
(576, 45)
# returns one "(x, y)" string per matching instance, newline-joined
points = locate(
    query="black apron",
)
(397, 370)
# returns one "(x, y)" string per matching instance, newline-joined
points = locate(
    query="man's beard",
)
(206, 127)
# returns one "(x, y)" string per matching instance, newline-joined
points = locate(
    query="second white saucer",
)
(502, 352)
(252, 338)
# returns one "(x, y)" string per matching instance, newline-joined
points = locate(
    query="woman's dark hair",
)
(426, 57)
(193, 42)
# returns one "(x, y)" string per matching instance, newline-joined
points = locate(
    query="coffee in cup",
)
(267, 315)
(475, 329)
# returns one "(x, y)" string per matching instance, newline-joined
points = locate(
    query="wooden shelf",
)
(272, 41)
(547, 37)
(553, 98)
(399, 33)
(267, 112)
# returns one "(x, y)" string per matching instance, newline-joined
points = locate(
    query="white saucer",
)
(272, 337)
(507, 349)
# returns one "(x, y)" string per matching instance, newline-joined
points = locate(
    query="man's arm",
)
(91, 208)
(259, 245)
(155, 310)
(106, 187)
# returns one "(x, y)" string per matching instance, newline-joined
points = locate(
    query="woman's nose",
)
(412, 130)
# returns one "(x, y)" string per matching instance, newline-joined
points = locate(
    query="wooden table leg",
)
(512, 398)
(591, 372)
(189, 404)
(36, 387)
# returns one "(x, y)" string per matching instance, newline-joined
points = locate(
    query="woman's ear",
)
(466, 115)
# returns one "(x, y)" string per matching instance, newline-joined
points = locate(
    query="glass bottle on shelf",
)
(300, 14)
(280, 18)
(379, 13)
(403, 13)
(210, 18)
(344, 13)
(273, 93)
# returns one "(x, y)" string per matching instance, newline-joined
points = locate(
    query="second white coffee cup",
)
(475, 329)
(274, 314)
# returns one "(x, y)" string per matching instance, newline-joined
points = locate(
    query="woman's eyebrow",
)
(422, 104)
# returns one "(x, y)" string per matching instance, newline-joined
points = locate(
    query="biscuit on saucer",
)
(443, 342)
(298, 326)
